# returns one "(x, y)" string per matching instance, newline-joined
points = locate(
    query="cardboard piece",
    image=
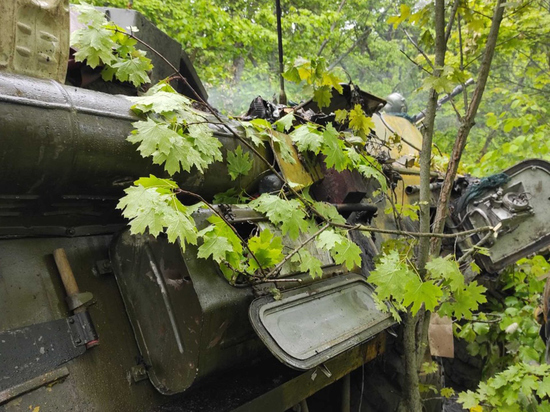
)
(440, 336)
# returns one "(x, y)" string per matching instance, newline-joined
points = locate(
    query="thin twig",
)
(451, 20)
(277, 268)
(222, 217)
(364, 228)
(415, 63)
(419, 49)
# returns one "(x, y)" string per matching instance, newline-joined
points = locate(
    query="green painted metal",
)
(312, 324)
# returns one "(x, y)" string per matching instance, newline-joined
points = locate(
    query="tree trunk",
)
(467, 124)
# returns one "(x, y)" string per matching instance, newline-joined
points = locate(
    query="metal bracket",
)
(138, 373)
(82, 329)
(104, 267)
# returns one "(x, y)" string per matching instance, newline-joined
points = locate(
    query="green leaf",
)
(468, 399)
(238, 163)
(287, 213)
(333, 149)
(307, 137)
(267, 248)
(543, 390)
(154, 208)
(346, 252)
(215, 246)
(447, 392)
(159, 102)
(322, 96)
(329, 212)
(446, 269)
(231, 196)
(133, 70)
(94, 45)
(331, 80)
(418, 293)
(308, 263)
(340, 116)
(465, 301)
(360, 123)
(153, 137)
(328, 239)
(391, 276)
(284, 147)
(284, 123)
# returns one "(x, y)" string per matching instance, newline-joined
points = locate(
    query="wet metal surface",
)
(34, 350)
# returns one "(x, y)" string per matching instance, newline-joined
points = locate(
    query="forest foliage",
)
(383, 48)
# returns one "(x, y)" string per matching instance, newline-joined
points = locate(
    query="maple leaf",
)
(160, 101)
(252, 134)
(307, 137)
(181, 156)
(287, 213)
(418, 293)
(215, 246)
(180, 225)
(205, 143)
(447, 392)
(340, 116)
(267, 249)
(468, 399)
(221, 228)
(94, 45)
(391, 276)
(238, 163)
(231, 196)
(151, 208)
(308, 263)
(328, 239)
(329, 212)
(330, 79)
(283, 145)
(446, 269)
(165, 186)
(543, 390)
(346, 252)
(333, 149)
(133, 70)
(152, 137)
(322, 96)
(360, 123)
(466, 300)
(89, 15)
(284, 123)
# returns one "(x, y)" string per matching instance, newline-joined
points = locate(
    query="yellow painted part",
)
(295, 173)
(402, 152)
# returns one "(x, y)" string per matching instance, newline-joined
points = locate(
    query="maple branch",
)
(279, 266)
(332, 27)
(222, 217)
(364, 228)
(415, 63)
(417, 47)
(222, 122)
(451, 20)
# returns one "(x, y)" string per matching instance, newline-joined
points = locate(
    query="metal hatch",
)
(520, 211)
(313, 324)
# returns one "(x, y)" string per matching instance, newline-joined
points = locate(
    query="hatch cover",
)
(312, 324)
